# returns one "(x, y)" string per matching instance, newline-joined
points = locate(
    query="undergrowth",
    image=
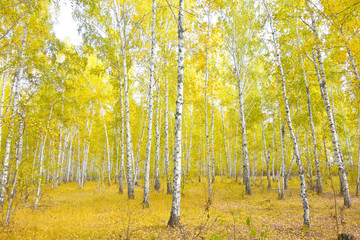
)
(70, 213)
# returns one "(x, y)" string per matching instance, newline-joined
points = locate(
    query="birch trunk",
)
(166, 136)
(129, 151)
(283, 165)
(288, 117)
(235, 153)
(157, 140)
(348, 144)
(151, 105)
(212, 144)
(42, 153)
(14, 114)
(122, 152)
(267, 157)
(312, 127)
(246, 165)
(19, 150)
(3, 78)
(188, 155)
(174, 220)
(207, 154)
(334, 134)
(107, 151)
(225, 148)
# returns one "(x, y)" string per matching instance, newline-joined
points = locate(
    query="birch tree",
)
(325, 97)
(174, 220)
(289, 122)
(150, 111)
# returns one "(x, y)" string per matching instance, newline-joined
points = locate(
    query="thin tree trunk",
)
(283, 165)
(151, 105)
(188, 155)
(19, 149)
(212, 144)
(174, 220)
(14, 113)
(166, 136)
(348, 145)
(107, 149)
(122, 151)
(334, 135)
(224, 134)
(207, 154)
(42, 156)
(3, 77)
(267, 157)
(312, 127)
(288, 116)
(157, 140)
(129, 151)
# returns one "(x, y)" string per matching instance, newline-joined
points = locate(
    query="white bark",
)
(19, 150)
(3, 78)
(334, 135)
(212, 143)
(267, 158)
(246, 165)
(207, 154)
(288, 117)
(157, 141)
(312, 127)
(174, 220)
(107, 151)
(129, 151)
(14, 113)
(122, 132)
(151, 105)
(166, 136)
(42, 156)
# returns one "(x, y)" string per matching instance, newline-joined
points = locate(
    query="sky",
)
(65, 27)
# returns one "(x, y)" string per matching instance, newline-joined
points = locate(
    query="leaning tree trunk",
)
(19, 150)
(312, 127)
(174, 220)
(334, 135)
(151, 105)
(288, 117)
(348, 144)
(14, 113)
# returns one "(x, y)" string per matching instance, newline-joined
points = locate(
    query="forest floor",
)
(69, 213)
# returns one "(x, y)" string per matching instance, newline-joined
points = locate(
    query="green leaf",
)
(248, 222)
(253, 231)
(215, 237)
(262, 234)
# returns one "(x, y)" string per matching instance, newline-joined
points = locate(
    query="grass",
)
(69, 213)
